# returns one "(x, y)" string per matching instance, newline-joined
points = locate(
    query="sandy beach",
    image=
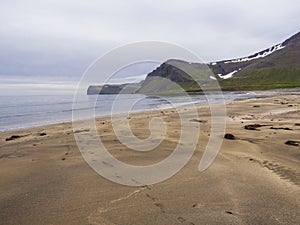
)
(255, 178)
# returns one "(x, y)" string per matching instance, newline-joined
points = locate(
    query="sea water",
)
(19, 112)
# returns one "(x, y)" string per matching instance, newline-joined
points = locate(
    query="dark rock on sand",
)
(280, 128)
(293, 143)
(79, 131)
(229, 136)
(198, 121)
(254, 126)
(13, 137)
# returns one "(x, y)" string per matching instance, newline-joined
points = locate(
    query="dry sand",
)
(254, 179)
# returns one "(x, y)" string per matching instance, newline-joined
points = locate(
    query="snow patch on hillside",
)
(212, 77)
(229, 75)
(258, 55)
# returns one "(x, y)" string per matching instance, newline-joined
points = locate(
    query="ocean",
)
(20, 112)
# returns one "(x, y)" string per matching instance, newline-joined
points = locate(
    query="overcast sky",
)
(52, 42)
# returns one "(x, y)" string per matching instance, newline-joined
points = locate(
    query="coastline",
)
(254, 179)
(258, 94)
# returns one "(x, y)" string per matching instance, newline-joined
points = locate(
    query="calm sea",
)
(19, 112)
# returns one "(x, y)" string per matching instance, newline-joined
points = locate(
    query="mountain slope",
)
(175, 76)
(275, 67)
(280, 68)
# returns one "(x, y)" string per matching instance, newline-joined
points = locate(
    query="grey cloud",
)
(61, 37)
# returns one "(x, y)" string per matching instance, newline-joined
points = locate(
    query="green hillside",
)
(272, 68)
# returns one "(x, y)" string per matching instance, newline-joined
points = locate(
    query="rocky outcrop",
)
(113, 89)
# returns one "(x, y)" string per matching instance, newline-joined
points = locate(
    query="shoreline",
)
(264, 94)
(105, 117)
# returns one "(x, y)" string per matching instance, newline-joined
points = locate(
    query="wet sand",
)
(255, 178)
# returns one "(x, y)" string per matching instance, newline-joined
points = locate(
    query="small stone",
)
(229, 136)
(293, 143)
(252, 126)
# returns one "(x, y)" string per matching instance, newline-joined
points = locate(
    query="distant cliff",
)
(113, 89)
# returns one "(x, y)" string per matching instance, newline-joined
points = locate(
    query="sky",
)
(47, 45)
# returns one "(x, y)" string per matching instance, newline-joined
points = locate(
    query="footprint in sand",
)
(157, 203)
(284, 173)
